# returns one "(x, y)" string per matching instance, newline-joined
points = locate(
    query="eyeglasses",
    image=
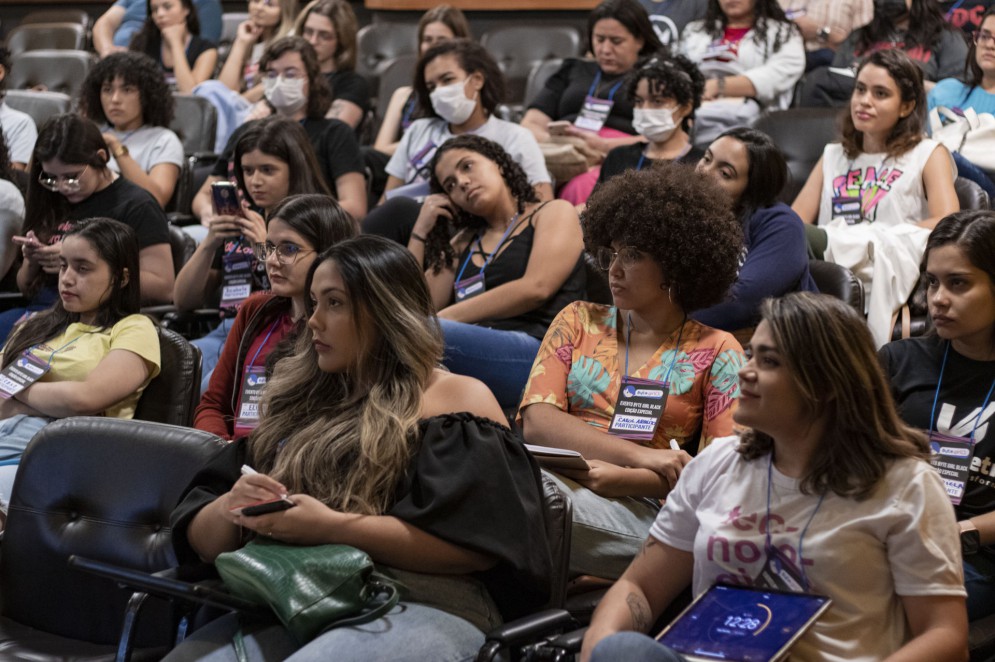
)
(288, 74)
(61, 183)
(627, 257)
(982, 37)
(285, 253)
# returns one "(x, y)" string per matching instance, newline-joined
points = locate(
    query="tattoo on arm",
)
(336, 109)
(639, 609)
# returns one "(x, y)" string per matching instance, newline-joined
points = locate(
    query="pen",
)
(674, 446)
(247, 470)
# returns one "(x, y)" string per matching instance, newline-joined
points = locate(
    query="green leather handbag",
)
(310, 588)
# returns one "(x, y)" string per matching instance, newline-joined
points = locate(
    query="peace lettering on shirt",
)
(870, 184)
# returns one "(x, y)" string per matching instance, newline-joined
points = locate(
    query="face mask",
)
(285, 94)
(890, 10)
(451, 104)
(656, 124)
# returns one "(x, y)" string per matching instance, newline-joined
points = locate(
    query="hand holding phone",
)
(265, 507)
(559, 127)
(224, 199)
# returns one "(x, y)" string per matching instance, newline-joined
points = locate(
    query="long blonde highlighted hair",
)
(347, 438)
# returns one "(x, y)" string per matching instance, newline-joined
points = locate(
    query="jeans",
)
(409, 632)
(968, 170)
(500, 359)
(15, 433)
(633, 646)
(979, 579)
(210, 349)
(606, 533)
(43, 300)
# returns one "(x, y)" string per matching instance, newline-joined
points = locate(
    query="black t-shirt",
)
(965, 15)
(130, 204)
(626, 157)
(913, 366)
(565, 91)
(194, 50)
(333, 141)
(350, 86)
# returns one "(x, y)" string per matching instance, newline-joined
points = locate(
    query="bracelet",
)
(721, 83)
(418, 237)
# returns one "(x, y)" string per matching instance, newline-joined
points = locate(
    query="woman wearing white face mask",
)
(664, 93)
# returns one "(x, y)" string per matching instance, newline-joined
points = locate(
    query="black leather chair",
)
(172, 396)
(39, 36)
(58, 70)
(195, 122)
(57, 16)
(518, 49)
(104, 489)
(396, 73)
(379, 43)
(802, 134)
(970, 195)
(39, 105)
(597, 282)
(837, 280)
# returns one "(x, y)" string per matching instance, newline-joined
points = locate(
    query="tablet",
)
(741, 623)
(557, 458)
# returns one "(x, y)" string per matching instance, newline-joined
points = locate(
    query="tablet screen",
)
(741, 623)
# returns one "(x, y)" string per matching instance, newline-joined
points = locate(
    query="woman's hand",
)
(593, 140)
(220, 228)
(248, 33)
(112, 142)
(173, 34)
(667, 463)
(47, 257)
(260, 110)
(603, 478)
(246, 491)
(307, 523)
(436, 206)
(253, 225)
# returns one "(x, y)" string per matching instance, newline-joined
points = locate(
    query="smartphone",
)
(559, 127)
(224, 196)
(264, 507)
(27, 241)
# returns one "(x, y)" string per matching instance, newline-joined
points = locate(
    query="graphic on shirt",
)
(737, 545)
(665, 29)
(964, 427)
(916, 53)
(870, 185)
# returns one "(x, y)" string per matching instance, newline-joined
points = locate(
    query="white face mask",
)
(285, 94)
(451, 104)
(656, 124)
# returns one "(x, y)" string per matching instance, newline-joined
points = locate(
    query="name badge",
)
(594, 113)
(718, 50)
(469, 287)
(780, 573)
(794, 14)
(421, 159)
(21, 374)
(249, 398)
(236, 279)
(847, 207)
(951, 457)
(641, 403)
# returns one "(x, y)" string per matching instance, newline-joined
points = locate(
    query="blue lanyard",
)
(936, 397)
(511, 226)
(51, 356)
(611, 92)
(642, 158)
(677, 348)
(252, 363)
(801, 538)
(409, 110)
(952, 9)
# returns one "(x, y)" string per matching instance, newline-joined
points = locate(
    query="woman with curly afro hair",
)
(126, 95)
(637, 386)
(500, 264)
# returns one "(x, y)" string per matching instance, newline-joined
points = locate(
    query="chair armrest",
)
(527, 630)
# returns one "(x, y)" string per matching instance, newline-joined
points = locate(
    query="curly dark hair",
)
(319, 95)
(133, 68)
(472, 58)
(438, 249)
(680, 219)
(148, 40)
(766, 14)
(926, 26)
(909, 130)
(673, 76)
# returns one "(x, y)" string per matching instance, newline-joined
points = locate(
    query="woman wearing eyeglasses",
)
(70, 181)
(273, 159)
(619, 383)
(267, 323)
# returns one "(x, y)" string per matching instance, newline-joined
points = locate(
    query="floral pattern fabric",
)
(580, 363)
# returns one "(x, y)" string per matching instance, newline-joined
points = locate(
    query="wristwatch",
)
(823, 34)
(721, 87)
(122, 150)
(970, 538)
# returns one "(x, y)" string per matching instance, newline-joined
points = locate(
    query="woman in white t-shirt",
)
(828, 485)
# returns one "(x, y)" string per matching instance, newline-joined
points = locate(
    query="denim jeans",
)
(633, 646)
(970, 171)
(500, 359)
(409, 632)
(210, 350)
(979, 579)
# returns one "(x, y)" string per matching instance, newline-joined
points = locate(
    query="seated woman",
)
(665, 92)
(171, 37)
(125, 95)
(438, 24)
(752, 56)
(330, 27)
(943, 382)
(585, 93)
(274, 160)
(267, 323)
(917, 27)
(879, 192)
(750, 168)
(268, 21)
(389, 454)
(458, 85)
(827, 457)
(70, 180)
(296, 90)
(670, 245)
(512, 265)
(94, 351)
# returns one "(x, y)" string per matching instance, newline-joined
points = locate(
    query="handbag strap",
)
(377, 587)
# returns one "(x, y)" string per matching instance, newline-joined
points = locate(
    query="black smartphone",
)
(224, 196)
(267, 507)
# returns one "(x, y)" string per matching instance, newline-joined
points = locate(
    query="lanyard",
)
(611, 92)
(952, 9)
(511, 226)
(272, 327)
(936, 397)
(801, 538)
(51, 356)
(677, 348)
